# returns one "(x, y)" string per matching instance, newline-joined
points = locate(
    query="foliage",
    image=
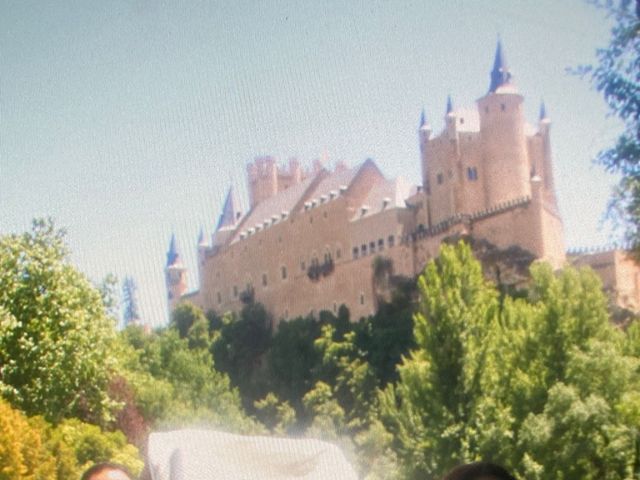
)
(175, 382)
(277, 416)
(617, 77)
(544, 385)
(54, 331)
(88, 445)
(240, 349)
(23, 452)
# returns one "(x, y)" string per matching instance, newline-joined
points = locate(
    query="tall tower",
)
(175, 276)
(503, 139)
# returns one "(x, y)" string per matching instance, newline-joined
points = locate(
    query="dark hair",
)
(478, 470)
(100, 467)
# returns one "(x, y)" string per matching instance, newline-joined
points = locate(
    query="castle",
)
(310, 237)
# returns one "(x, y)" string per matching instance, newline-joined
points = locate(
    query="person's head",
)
(107, 471)
(479, 471)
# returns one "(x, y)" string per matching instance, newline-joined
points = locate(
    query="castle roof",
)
(228, 215)
(390, 193)
(500, 74)
(274, 206)
(173, 257)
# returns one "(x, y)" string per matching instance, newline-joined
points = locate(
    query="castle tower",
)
(544, 126)
(424, 133)
(503, 140)
(263, 179)
(175, 276)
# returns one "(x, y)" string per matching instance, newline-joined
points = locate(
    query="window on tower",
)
(440, 178)
(472, 173)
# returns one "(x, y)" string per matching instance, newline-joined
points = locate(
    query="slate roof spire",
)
(500, 73)
(228, 215)
(423, 119)
(543, 111)
(172, 255)
(449, 105)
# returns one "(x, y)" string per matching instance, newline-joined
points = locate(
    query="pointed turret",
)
(500, 74)
(228, 215)
(173, 257)
(449, 105)
(175, 275)
(423, 119)
(201, 240)
(543, 112)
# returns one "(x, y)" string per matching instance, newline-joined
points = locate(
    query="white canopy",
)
(213, 455)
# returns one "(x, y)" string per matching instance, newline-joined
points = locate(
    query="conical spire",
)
(201, 241)
(449, 105)
(228, 216)
(423, 119)
(172, 255)
(543, 111)
(500, 73)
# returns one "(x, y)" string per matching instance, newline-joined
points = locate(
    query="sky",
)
(128, 120)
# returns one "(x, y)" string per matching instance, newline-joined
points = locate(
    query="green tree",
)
(617, 77)
(544, 385)
(23, 452)
(54, 332)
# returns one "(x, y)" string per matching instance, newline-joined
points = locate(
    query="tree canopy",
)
(617, 77)
(54, 331)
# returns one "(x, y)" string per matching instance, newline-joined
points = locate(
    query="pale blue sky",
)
(126, 120)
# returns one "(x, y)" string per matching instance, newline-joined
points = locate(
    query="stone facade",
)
(309, 241)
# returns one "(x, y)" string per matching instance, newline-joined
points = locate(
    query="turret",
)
(450, 120)
(544, 126)
(227, 221)
(504, 144)
(175, 275)
(424, 133)
(263, 179)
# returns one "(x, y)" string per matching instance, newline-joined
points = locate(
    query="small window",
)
(362, 299)
(219, 298)
(324, 214)
(372, 247)
(461, 120)
(355, 252)
(310, 219)
(363, 249)
(503, 107)
(486, 109)
(472, 173)
(391, 240)
(440, 179)
(235, 291)
(380, 244)
(338, 253)
(264, 279)
(335, 307)
(303, 266)
(284, 272)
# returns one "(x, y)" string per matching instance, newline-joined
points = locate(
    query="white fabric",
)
(213, 455)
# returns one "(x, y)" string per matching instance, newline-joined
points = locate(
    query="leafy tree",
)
(617, 77)
(277, 416)
(240, 350)
(131, 314)
(544, 385)
(293, 360)
(89, 444)
(23, 452)
(54, 331)
(175, 381)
